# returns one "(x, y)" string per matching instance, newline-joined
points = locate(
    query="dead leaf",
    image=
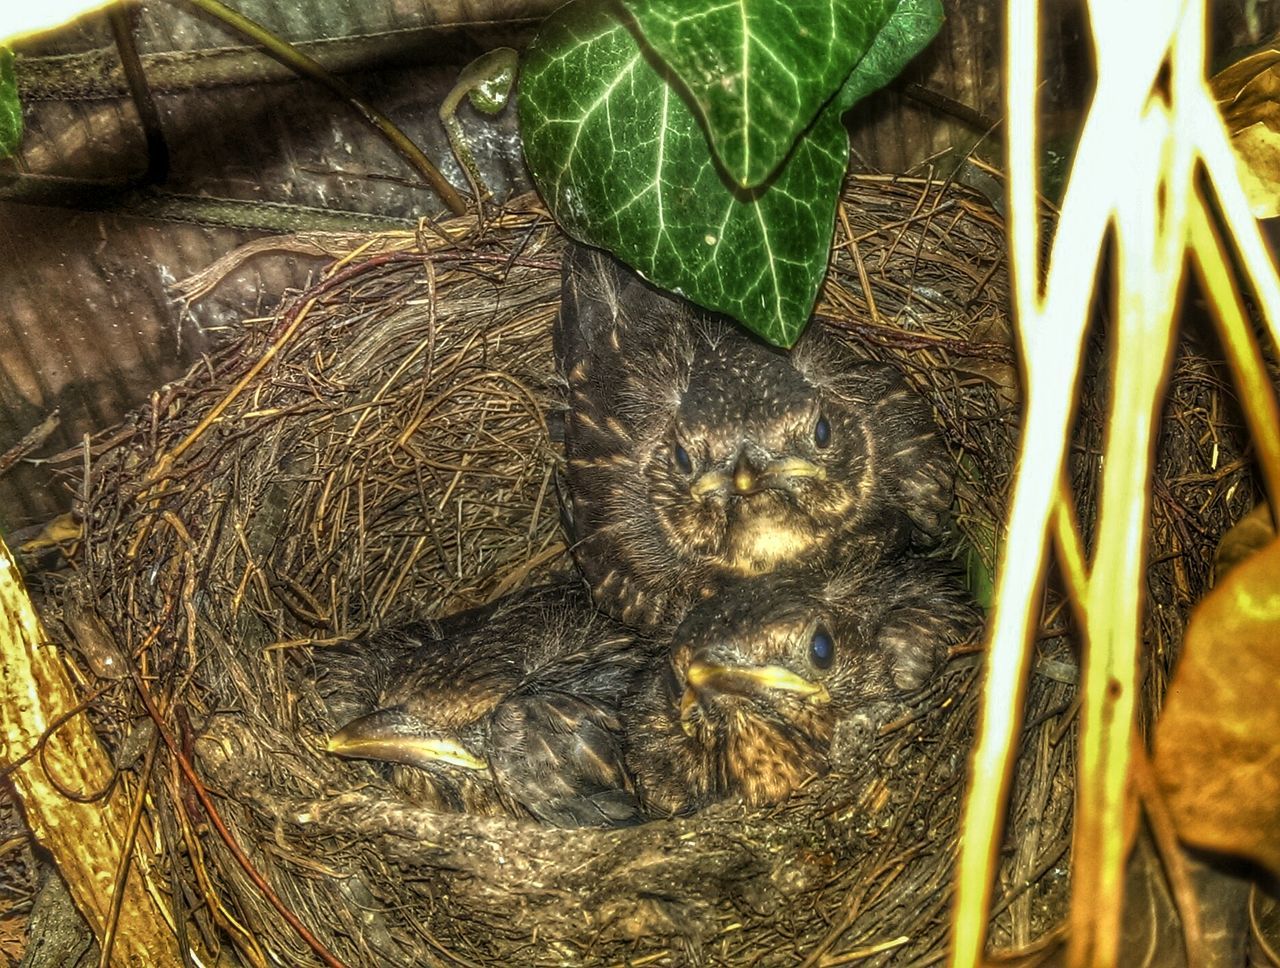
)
(1258, 161)
(1248, 90)
(1246, 536)
(1001, 374)
(1248, 94)
(64, 530)
(1217, 747)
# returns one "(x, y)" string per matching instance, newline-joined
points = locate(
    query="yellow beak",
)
(388, 735)
(746, 479)
(739, 678)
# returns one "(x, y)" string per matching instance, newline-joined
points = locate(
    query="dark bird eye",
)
(822, 648)
(822, 432)
(682, 460)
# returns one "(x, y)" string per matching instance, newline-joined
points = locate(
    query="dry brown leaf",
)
(65, 529)
(1003, 375)
(1248, 94)
(1217, 749)
(1250, 533)
(1257, 151)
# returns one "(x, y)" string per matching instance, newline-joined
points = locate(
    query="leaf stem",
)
(296, 60)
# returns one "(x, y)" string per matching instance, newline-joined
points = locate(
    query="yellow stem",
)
(1257, 395)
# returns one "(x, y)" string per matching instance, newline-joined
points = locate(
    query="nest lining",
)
(384, 448)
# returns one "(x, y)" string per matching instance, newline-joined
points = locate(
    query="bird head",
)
(762, 651)
(804, 647)
(759, 673)
(760, 467)
(696, 452)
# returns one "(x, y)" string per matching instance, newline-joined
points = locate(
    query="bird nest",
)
(384, 447)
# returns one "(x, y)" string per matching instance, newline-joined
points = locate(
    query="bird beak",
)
(742, 679)
(397, 737)
(710, 483)
(790, 468)
(746, 478)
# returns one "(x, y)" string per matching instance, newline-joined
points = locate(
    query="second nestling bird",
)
(696, 452)
(505, 709)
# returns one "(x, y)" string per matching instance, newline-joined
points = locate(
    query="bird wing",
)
(917, 460)
(927, 611)
(602, 304)
(911, 461)
(560, 757)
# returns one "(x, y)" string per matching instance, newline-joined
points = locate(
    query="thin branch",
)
(1257, 394)
(215, 819)
(949, 105)
(121, 17)
(1165, 835)
(126, 855)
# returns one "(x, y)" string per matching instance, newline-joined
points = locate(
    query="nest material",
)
(381, 449)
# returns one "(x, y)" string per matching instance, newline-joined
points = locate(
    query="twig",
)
(162, 466)
(861, 954)
(1257, 393)
(1169, 850)
(126, 855)
(211, 811)
(121, 16)
(31, 440)
(902, 339)
(948, 105)
(52, 728)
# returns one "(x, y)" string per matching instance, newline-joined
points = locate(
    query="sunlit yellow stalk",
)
(1243, 355)
(1149, 261)
(1023, 561)
(1127, 146)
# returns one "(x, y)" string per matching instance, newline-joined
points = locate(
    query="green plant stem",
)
(294, 59)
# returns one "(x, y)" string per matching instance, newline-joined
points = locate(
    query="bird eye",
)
(682, 459)
(822, 432)
(822, 648)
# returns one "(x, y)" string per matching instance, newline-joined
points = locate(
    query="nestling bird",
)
(759, 675)
(510, 708)
(696, 452)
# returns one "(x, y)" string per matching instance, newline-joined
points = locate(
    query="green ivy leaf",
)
(10, 106)
(760, 71)
(623, 163)
(911, 26)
